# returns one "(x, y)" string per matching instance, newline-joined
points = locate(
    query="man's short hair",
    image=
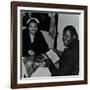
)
(71, 29)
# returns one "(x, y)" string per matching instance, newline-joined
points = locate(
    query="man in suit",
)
(69, 60)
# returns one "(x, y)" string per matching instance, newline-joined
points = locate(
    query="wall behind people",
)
(64, 20)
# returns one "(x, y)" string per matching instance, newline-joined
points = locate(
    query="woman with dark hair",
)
(69, 60)
(33, 41)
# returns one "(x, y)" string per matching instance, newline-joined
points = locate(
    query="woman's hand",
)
(31, 52)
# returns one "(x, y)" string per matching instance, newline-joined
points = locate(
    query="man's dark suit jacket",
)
(39, 45)
(69, 62)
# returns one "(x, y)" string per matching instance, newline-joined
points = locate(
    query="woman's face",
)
(33, 28)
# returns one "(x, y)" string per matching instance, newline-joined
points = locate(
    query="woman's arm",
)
(42, 43)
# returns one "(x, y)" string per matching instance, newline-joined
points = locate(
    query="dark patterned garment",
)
(39, 45)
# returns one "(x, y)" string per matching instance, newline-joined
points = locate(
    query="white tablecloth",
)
(41, 72)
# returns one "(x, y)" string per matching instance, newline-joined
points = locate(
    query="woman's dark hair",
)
(72, 30)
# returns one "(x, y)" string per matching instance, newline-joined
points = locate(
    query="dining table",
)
(34, 67)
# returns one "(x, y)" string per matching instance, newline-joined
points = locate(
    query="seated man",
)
(69, 60)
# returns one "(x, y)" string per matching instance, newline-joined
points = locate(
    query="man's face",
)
(67, 38)
(33, 28)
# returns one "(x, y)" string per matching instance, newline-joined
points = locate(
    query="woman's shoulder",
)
(39, 33)
(25, 31)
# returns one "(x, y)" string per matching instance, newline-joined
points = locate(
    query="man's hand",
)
(59, 53)
(48, 62)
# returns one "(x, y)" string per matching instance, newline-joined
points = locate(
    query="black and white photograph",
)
(50, 44)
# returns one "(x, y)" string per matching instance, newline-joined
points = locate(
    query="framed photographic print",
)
(48, 44)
